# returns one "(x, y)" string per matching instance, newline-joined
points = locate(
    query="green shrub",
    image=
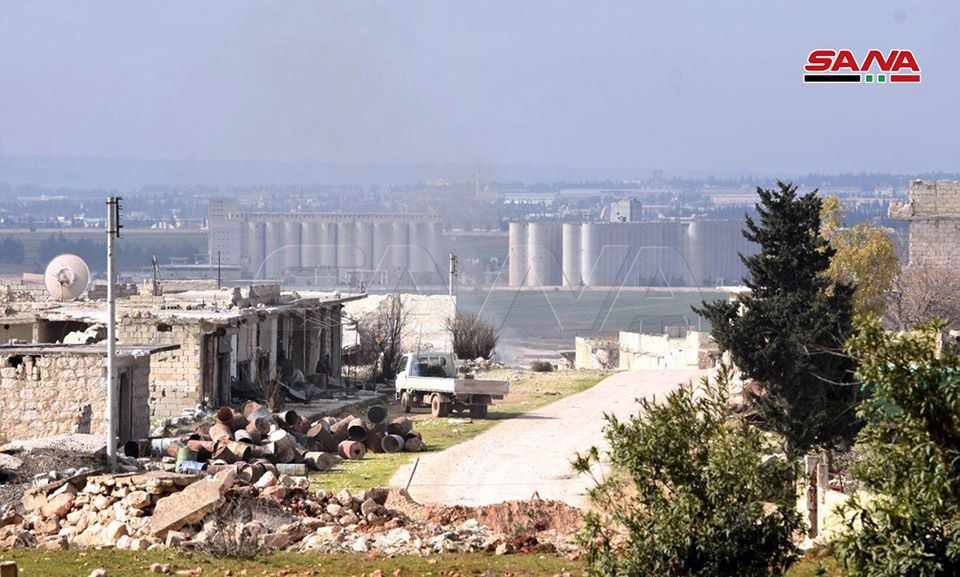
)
(909, 458)
(690, 493)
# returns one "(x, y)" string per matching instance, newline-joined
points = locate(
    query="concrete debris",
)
(158, 509)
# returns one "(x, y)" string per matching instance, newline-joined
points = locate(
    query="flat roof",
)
(94, 349)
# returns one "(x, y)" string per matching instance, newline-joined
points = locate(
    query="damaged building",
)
(48, 390)
(226, 339)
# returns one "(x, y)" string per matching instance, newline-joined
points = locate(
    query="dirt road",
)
(532, 452)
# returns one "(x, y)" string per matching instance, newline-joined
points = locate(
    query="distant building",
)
(626, 210)
(674, 253)
(933, 212)
(375, 248)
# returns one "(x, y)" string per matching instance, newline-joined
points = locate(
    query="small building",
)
(677, 348)
(50, 390)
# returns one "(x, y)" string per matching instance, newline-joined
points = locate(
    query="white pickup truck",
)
(431, 379)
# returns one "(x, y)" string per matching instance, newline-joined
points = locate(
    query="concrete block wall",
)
(175, 376)
(64, 393)
(933, 212)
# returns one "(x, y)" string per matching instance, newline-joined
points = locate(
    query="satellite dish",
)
(66, 277)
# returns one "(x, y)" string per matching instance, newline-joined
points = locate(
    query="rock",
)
(348, 519)
(114, 531)
(173, 511)
(101, 572)
(344, 498)
(275, 492)
(57, 507)
(124, 542)
(160, 568)
(175, 538)
(369, 506)
(138, 499)
(335, 510)
(102, 502)
(276, 540)
(502, 549)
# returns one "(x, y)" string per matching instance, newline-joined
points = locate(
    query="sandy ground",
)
(532, 453)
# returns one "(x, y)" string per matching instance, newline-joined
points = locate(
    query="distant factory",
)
(626, 251)
(344, 248)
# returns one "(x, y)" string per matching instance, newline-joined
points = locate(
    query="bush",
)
(541, 367)
(689, 493)
(909, 458)
(473, 336)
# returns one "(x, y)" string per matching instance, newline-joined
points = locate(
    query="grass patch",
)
(532, 391)
(137, 564)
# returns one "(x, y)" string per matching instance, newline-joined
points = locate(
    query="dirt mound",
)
(510, 518)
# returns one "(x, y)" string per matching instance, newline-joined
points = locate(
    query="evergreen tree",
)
(788, 332)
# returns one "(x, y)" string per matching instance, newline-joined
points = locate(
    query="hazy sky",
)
(707, 85)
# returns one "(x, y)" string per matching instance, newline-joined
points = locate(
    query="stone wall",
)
(933, 212)
(52, 394)
(175, 376)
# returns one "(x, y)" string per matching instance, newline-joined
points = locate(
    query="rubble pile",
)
(158, 509)
(255, 438)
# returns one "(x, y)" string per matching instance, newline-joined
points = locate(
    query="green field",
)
(552, 318)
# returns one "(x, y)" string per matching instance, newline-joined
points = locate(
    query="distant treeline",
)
(94, 253)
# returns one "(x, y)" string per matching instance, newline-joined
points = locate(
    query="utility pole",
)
(113, 233)
(452, 288)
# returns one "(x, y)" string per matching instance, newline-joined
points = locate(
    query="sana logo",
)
(843, 66)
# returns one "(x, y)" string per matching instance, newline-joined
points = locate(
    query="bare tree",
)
(473, 336)
(381, 335)
(922, 293)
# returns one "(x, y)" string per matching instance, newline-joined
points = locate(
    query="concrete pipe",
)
(319, 460)
(251, 472)
(243, 436)
(283, 446)
(165, 447)
(357, 430)
(392, 443)
(376, 414)
(220, 431)
(254, 410)
(225, 455)
(295, 469)
(225, 415)
(261, 425)
(204, 449)
(352, 450)
(289, 418)
(413, 445)
(400, 426)
(241, 450)
(238, 422)
(339, 429)
(137, 449)
(413, 435)
(319, 438)
(374, 436)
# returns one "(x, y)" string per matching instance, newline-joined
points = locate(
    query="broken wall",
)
(52, 394)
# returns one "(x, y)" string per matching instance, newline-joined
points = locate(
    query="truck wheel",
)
(405, 402)
(439, 408)
(478, 411)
